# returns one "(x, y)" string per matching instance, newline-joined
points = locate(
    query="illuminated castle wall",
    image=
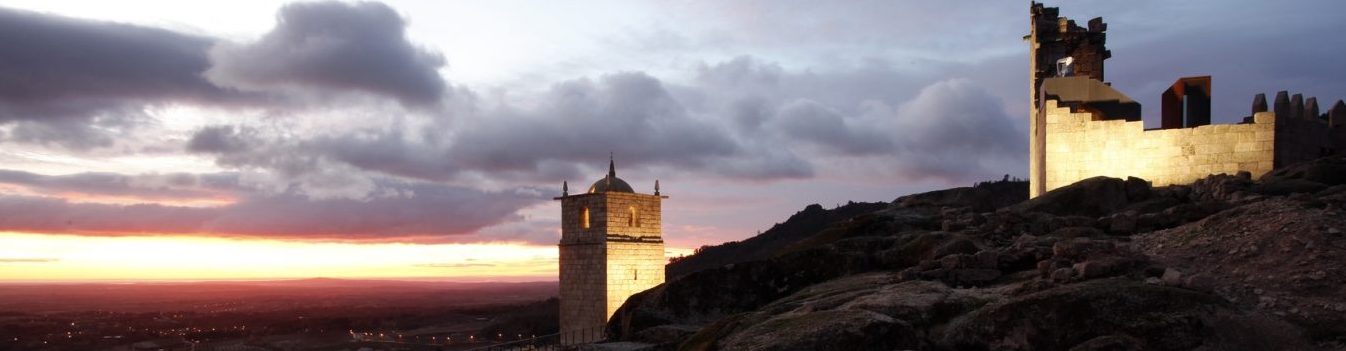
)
(1080, 127)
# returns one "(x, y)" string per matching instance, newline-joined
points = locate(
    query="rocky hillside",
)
(770, 243)
(1227, 263)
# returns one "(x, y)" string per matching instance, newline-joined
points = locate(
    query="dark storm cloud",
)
(51, 215)
(949, 129)
(419, 210)
(77, 83)
(385, 151)
(412, 212)
(573, 123)
(810, 121)
(388, 152)
(169, 186)
(337, 46)
(71, 133)
(55, 67)
(630, 113)
(220, 139)
(742, 119)
(83, 84)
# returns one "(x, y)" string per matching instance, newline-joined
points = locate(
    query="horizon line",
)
(248, 280)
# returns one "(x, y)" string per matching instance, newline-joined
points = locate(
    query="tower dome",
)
(611, 183)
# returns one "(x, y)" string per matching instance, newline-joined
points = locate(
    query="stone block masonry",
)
(581, 274)
(611, 248)
(632, 267)
(1078, 147)
(1079, 132)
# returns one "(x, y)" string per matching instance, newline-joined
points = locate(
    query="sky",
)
(169, 140)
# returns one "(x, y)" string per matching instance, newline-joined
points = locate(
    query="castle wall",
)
(1076, 147)
(1104, 135)
(1051, 38)
(1300, 139)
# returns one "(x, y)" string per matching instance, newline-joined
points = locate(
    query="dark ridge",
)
(770, 243)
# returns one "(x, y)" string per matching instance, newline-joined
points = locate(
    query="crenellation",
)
(1311, 108)
(1259, 103)
(1336, 116)
(1297, 106)
(1282, 104)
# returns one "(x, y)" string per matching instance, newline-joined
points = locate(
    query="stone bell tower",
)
(611, 248)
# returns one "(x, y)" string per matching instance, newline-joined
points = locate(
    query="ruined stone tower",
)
(1057, 47)
(611, 248)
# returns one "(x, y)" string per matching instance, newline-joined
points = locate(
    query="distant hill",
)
(263, 295)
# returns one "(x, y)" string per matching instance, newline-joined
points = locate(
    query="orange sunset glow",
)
(44, 257)
(460, 175)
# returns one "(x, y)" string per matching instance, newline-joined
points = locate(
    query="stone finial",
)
(1282, 104)
(565, 188)
(1297, 106)
(1337, 115)
(1259, 103)
(656, 187)
(1311, 108)
(612, 166)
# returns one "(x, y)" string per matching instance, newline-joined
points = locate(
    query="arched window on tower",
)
(584, 218)
(634, 219)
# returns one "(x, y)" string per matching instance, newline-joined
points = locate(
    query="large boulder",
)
(1327, 171)
(1094, 197)
(1221, 187)
(1304, 177)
